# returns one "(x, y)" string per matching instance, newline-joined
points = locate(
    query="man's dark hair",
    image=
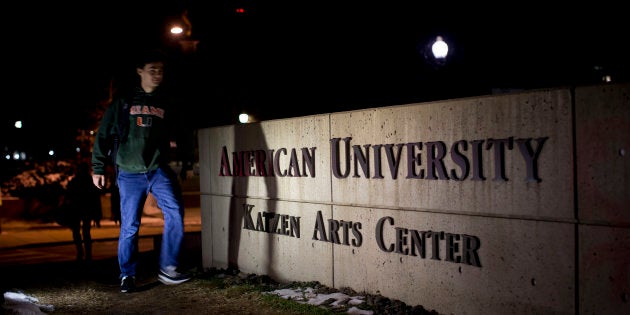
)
(151, 56)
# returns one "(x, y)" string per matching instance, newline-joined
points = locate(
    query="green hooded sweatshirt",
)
(145, 127)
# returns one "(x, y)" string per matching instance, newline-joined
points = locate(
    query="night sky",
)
(291, 58)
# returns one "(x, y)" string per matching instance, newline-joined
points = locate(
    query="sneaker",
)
(128, 284)
(170, 276)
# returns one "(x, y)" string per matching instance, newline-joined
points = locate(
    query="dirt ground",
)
(81, 288)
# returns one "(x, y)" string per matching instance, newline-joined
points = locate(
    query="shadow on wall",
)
(255, 139)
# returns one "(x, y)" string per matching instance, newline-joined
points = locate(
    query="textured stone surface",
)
(365, 222)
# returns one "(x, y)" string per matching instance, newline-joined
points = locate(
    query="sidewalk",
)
(16, 233)
(23, 234)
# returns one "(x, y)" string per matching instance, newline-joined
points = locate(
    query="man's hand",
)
(99, 181)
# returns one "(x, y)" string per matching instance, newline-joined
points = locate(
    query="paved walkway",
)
(25, 242)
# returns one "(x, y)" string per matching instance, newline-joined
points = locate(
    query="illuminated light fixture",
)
(18, 124)
(243, 118)
(439, 48)
(177, 30)
(240, 10)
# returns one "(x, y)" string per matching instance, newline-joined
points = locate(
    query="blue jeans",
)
(134, 189)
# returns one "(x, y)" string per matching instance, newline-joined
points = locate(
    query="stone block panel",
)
(268, 237)
(604, 270)
(458, 264)
(503, 155)
(284, 159)
(603, 153)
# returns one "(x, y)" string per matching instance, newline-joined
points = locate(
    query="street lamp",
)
(176, 30)
(439, 48)
(243, 118)
(182, 31)
(435, 51)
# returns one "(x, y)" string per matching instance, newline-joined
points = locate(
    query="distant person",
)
(82, 203)
(145, 124)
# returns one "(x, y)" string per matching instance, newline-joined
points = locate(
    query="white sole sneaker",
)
(169, 280)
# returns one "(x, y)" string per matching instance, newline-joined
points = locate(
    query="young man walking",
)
(144, 125)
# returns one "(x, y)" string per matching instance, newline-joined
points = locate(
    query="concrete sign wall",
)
(516, 203)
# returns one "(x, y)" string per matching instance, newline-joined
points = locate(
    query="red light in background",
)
(240, 10)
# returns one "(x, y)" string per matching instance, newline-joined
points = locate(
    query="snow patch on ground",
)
(308, 295)
(20, 303)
